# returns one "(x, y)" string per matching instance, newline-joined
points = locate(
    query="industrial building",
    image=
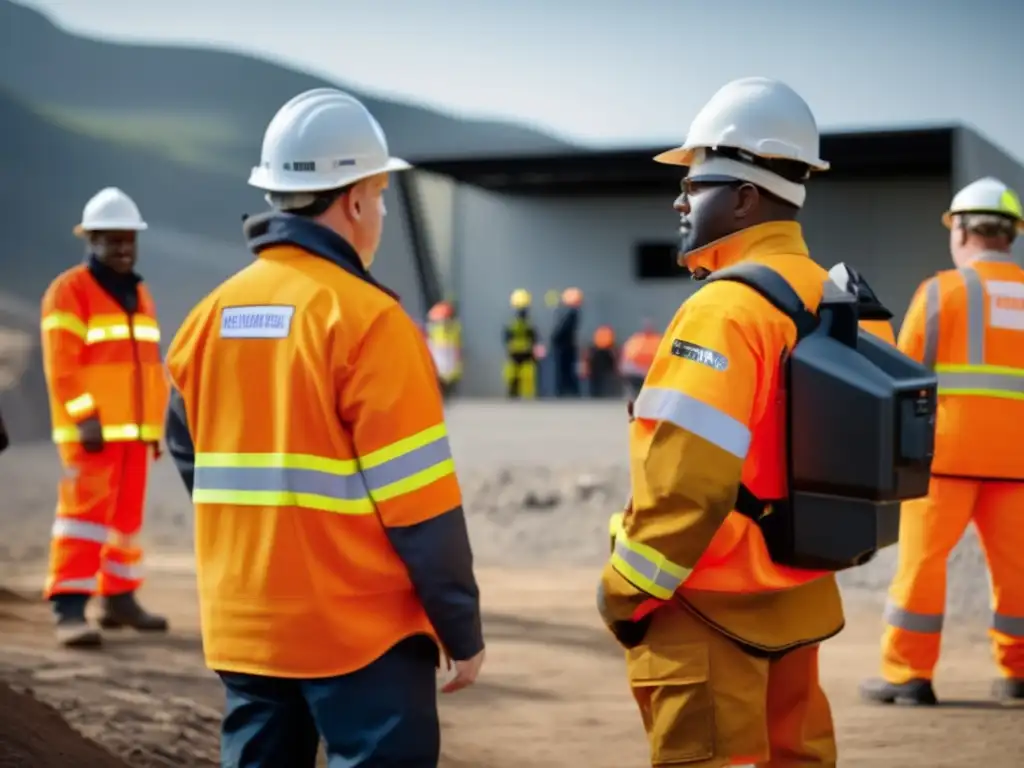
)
(477, 228)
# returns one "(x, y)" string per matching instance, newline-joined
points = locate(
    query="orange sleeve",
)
(688, 442)
(390, 398)
(64, 328)
(914, 333)
(879, 328)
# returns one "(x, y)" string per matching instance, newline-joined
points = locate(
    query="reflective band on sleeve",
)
(975, 378)
(645, 567)
(693, 415)
(76, 585)
(931, 323)
(408, 464)
(1008, 625)
(281, 480)
(64, 321)
(120, 332)
(80, 405)
(114, 433)
(66, 528)
(901, 618)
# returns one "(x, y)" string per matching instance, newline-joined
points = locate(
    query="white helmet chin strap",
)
(717, 165)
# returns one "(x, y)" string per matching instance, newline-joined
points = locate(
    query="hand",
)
(629, 410)
(157, 450)
(626, 610)
(90, 433)
(465, 673)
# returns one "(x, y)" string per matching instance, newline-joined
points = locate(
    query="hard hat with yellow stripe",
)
(986, 196)
(520, 298)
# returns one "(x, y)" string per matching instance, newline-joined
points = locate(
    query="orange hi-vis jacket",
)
(101, 360)
(638, 353)
(880, 328)
(966, 324)
(710, 416)
(307, 424)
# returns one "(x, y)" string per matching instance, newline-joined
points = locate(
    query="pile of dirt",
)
(33, 735)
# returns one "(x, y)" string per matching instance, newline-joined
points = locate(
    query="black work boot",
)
(1009, 689)
(73, 629)
(917, 693)
(124, 611)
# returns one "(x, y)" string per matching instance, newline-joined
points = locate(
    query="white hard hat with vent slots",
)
(988, 195)
(110, 209)
(322, 139)
(757, 116)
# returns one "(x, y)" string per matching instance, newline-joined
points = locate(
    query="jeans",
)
(381, 716)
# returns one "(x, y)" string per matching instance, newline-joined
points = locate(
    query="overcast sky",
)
(621, 71)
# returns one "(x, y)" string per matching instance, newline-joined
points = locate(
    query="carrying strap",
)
(780, 294)
(774, 288)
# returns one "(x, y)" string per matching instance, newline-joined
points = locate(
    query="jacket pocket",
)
(670, 683)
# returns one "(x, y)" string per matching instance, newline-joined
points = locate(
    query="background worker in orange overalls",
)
(968, 325)
(108, 394)
(722, 642)
(637, 356)
(331, 545)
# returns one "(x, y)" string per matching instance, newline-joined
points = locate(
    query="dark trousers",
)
(567, 380)
(381, 716)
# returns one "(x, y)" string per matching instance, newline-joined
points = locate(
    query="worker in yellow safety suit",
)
(968, 325)
(520, 348)
(444, 340)
(722, 643)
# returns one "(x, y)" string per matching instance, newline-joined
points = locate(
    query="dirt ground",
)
(539, 482)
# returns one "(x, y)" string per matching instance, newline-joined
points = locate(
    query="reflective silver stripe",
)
(995, 381)
(281, 480)
(931, 323)
(408, 464)
(86, 585)
(925, 623)
(63, 528)
(646, 569)
(693, 415)
(975, 316)
(122, 571)
(1008, 625)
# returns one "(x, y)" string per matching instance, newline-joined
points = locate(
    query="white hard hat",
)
(320, 140)
(757, 116)
(988, 195)
(110, 209)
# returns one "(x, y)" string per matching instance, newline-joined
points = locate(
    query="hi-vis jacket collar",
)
(770, 239)
(273, 229)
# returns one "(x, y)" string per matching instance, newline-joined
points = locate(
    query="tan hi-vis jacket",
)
(968, 325)
(711, 415)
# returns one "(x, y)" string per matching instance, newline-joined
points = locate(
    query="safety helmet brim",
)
(684, 155)
(81, 230)
(260, 178)
(947, 217)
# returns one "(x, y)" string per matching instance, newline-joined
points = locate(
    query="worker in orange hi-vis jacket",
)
(332, 552)
(108, 393)
(638, 356)
(968, 325)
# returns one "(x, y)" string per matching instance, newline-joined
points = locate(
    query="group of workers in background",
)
(561, 368)
(299, 404)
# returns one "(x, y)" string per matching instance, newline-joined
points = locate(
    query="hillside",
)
(201, 105)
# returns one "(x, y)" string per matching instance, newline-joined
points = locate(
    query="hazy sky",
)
(622, 71)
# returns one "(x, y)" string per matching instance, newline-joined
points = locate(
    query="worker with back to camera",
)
(520, 339)
(968, 325)
(602, 364)
(307, 424)
(722, 643)
(565, 351)
(108, 394)
(444, 340)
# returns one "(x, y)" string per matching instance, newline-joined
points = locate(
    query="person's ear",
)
(748, 197)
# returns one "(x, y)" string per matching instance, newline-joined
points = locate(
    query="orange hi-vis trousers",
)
(99, 513)
(929, 529)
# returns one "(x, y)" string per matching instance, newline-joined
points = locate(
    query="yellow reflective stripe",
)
(284, 499)
(122, 332)
(114, 433)
(64, 321)
(408, 464)
(278, 460)
(82, 404)
(645, 567)
(997, 381)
